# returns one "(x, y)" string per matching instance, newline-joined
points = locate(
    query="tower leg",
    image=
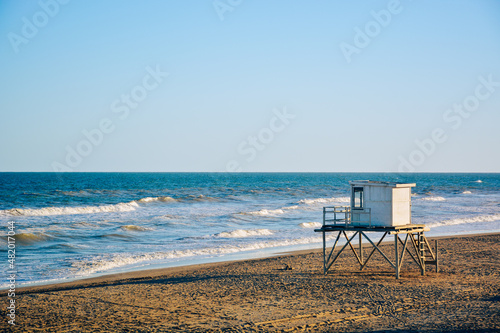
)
(324, 252)
(361, 249)
(397, 254)
(437, 262)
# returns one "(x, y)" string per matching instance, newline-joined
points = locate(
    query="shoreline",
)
(154, 272)
(263, 295)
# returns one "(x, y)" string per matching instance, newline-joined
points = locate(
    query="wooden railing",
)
(344, 215)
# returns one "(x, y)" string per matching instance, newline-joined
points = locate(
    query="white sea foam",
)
(156, 199)
(465, 220)
(273, 212)
(48, 211)
(266, 212)
(301, 204)
(310, 225)
(433, 198)
(324, 200)
(241, 233)
(466, 192)
(120, 207)
(106, 263)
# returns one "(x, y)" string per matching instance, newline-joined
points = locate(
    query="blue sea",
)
(77, 225)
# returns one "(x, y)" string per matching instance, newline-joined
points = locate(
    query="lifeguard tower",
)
(382, 207)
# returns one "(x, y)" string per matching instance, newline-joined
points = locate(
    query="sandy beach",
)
(284, 293)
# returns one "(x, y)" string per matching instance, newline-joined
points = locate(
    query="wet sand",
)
(262, 295)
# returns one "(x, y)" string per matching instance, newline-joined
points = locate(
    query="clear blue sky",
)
(251, 85)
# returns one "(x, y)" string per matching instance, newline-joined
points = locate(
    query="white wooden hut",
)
(380, 204)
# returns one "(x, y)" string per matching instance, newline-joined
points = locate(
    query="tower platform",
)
(412, 241)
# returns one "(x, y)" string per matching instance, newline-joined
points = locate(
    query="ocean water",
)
(77, 225)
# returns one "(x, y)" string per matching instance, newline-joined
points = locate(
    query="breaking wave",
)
(156, 199)
(120, 207)
(465, 220)
(310, 225)
(324, 200)
(240, 233)
(47, 211)
(266, 212)
(301, 204)
(433, 199)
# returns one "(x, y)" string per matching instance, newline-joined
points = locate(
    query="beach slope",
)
(284, 293)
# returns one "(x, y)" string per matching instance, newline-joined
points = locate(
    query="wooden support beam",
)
(414, 234)
(324, 252)
(331, 252)
(403, 252)
(436, 249)
(361, 249)
(382, 253)
(352, 247)
(338, 254)
(396, 237)
(408, 250)
(374, 249)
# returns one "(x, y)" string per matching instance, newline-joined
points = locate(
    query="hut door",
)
(357, 198)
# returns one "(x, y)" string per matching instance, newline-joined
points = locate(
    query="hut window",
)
(357, 197)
